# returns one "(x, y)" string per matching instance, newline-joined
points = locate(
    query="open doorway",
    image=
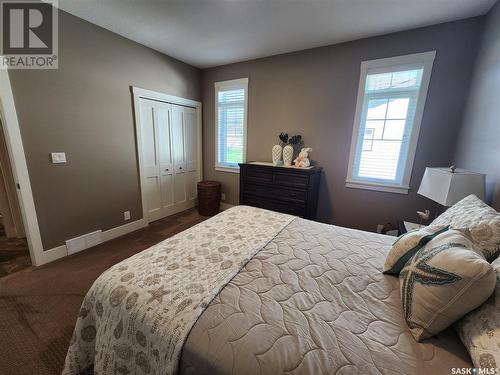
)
(14, 251)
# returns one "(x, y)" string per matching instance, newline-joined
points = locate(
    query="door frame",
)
(12, 134)
(140, 93)
(12, 219)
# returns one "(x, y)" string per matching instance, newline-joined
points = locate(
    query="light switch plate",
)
(58, 157)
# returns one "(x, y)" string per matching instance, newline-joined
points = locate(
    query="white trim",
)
(225, 206)
(123, 229)
(162, 97)
(419, 114)
(139, 93)
(227, 85)
(50, 255)
(226, 168)
(427, 58)
(378, 187)
(20, 169)
(387, 62)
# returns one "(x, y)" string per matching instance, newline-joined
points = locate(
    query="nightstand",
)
(407, 226)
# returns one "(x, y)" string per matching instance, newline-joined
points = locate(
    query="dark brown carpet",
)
(14, 254)
(38, 306)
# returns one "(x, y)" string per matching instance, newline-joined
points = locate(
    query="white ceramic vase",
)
(277, 150)
(287, 155)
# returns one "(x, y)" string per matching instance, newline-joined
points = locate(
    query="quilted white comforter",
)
(312, 300)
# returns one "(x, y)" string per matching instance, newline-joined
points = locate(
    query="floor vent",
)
(80, 243)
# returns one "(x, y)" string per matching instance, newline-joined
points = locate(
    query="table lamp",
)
(447, 186)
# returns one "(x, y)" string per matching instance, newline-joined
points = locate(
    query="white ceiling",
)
(207, 33)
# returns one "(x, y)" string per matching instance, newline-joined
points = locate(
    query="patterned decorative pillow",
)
(442, 282)
(407, 245)
(477, 221)
(480, 329)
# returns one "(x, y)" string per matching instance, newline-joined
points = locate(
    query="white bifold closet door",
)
(169, 144)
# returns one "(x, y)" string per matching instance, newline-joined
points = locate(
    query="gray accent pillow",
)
(407, 245)
(480, 329)
(476, 220)
(442, 282)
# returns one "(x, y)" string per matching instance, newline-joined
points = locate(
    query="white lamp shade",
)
(447, 187)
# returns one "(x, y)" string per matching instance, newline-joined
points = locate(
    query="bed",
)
(252, 291)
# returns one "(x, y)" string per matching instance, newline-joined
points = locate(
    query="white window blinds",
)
(231, 99)
(385, 138)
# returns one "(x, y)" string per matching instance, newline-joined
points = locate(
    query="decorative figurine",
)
(302, 160)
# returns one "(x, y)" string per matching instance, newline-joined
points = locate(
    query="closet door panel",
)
(153, 194)
(180, 188)
(178, 135)
(163, 112)
(191, 139)
(148, 134)
(167, 194)
(150, 159)
(191, 147)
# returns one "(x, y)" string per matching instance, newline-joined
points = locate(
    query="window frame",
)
(240, 83)
(381, 66)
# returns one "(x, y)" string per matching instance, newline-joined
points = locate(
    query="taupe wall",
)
(85, 109)
(313, 93)
(479, 143)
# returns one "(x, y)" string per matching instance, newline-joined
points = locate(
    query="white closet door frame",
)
(139, 93)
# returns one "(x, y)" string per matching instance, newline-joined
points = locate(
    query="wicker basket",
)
(208, 198)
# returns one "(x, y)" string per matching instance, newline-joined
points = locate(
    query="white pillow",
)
(480, 329)
(442, 282)
(476, 220)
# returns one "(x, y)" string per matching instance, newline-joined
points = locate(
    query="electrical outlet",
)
(223, 196)
(126, 215)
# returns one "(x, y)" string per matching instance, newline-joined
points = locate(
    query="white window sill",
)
(225, 168)
(377, 187)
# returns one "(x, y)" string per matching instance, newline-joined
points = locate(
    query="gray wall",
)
(85, 109)
(479, 142)
(313, 92)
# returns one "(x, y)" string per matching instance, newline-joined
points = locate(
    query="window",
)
(389, 111)
(231, 124)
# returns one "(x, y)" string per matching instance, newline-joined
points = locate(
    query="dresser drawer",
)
(256, 175)
(276, 192)
(286, 208)
(291, 179)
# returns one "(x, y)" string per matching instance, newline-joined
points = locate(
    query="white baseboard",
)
(225, 206)
(61, 251)
(50, 255)
(123, 229)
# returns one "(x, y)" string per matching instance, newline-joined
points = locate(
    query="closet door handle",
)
(166, 170)
(180, 167)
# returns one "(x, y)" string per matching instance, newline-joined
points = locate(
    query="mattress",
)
(298, 297)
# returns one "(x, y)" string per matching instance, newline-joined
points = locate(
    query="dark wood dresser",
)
(289, 190)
